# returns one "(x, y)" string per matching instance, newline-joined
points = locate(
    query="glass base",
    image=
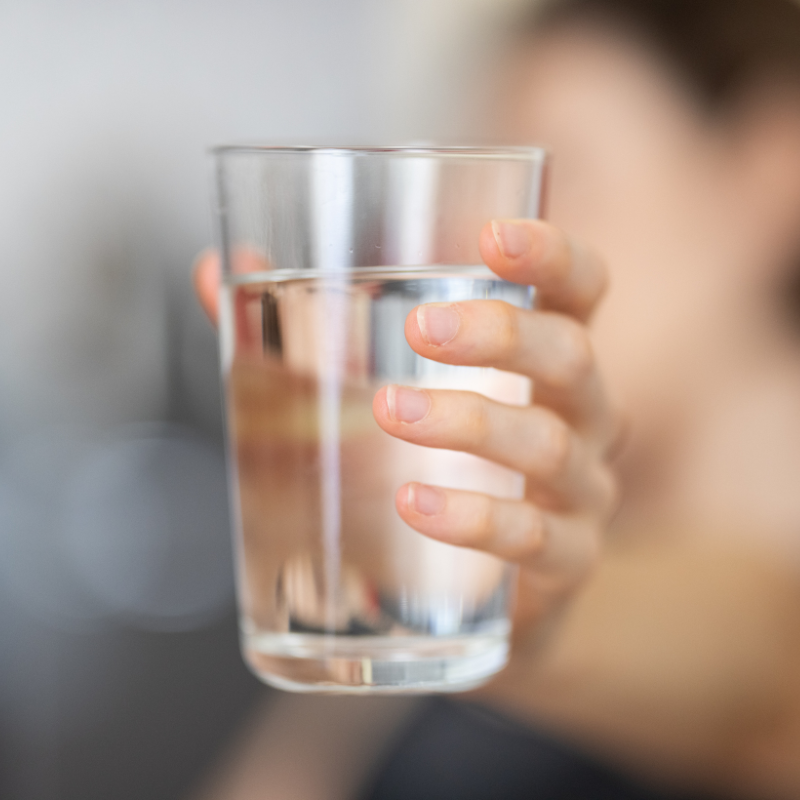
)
(301, 662)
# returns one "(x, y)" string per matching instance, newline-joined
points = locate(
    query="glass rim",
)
(503, 152)
(349, 274)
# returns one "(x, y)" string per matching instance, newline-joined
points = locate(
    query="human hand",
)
(559, 443)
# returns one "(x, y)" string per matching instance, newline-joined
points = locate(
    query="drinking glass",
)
(325, 252)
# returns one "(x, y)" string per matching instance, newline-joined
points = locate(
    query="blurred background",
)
(120, 675)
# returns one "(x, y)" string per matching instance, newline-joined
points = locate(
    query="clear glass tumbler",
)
(325, 252)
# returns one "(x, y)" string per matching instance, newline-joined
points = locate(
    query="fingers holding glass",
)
(569, 277)
(553, 546)
(551, 348)
(559, 444)
(560, 469)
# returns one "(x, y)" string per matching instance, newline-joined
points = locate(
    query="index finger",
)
(568, 276)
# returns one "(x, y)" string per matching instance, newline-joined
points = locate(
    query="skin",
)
(695, 217)
(678, 658)
(559, 443)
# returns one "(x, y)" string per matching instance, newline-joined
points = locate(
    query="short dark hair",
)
(719, 47)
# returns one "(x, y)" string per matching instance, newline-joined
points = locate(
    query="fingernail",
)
(438, 323)
(426, 500)
(513, 238)
(407, 405)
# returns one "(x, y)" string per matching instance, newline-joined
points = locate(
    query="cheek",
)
(650, 327)
(655, 331)
(634, 175)
(639, 346)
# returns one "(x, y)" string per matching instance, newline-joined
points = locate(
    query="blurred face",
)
(639, 174)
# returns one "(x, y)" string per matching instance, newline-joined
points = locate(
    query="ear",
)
(768, 146)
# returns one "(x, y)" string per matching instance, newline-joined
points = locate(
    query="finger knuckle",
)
(576, 356)
(554, 452)
(534, 532)
(588, 552)
(483, 526)
(506, 329)
(475, 423)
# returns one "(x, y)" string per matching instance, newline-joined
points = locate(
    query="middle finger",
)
(532, 440)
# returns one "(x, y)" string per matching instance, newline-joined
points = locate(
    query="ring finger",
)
(545, 543)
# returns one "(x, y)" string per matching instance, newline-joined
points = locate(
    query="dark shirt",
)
(455, 750)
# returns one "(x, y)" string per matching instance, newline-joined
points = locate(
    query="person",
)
(673, 658)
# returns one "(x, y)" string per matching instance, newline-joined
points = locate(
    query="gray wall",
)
(119, 674)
